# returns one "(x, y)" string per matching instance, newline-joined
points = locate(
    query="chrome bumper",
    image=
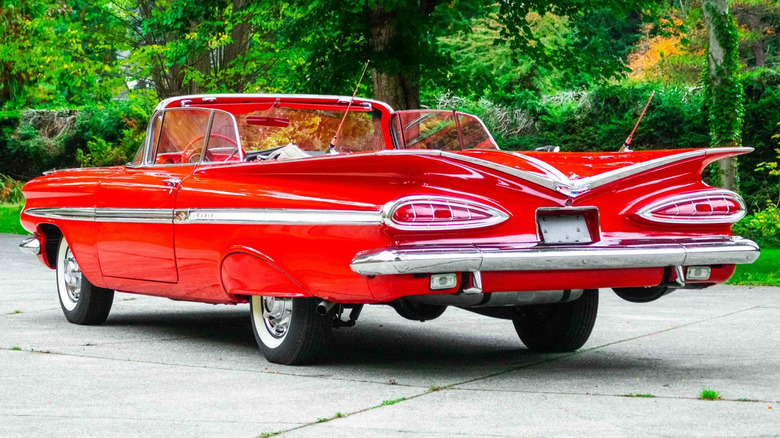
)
(30, 245)
(534, 257)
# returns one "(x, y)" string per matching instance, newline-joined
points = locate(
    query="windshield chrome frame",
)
(148, 139)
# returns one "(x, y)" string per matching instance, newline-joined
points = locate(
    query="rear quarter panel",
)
(317, 256)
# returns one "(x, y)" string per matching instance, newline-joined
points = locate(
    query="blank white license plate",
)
(568, 228)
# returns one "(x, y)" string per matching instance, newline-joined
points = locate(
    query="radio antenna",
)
(627, 143)
(332, 147)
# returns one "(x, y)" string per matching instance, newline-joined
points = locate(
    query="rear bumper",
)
(534, 257)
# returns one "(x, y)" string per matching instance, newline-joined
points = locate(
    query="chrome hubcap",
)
(277, 314)
(73, 276)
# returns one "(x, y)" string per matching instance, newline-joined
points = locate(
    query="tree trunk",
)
(240, 35)
(397, 91)
(725, 99)
(401, 90)
(758, 50)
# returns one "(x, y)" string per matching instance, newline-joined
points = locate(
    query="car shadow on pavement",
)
(431, 343)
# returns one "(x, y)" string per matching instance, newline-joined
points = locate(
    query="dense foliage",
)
(569, 73)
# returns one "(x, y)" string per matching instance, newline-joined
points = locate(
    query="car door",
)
(135, 209)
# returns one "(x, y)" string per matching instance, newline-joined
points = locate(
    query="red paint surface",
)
(199, 262)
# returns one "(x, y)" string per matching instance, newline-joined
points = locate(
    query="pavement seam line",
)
(598, 347)
(104, 417)
(203, 367)
(596, 394)
(385, 403)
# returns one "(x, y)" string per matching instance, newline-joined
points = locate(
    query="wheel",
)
(82, 302)
(558, 327)
(642, 294)
(288, 330)
(417, 311)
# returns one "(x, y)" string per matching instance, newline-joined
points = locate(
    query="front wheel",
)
(557, 328)
(82, 302)
(288, 330)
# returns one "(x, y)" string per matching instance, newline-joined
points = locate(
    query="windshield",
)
(443, 130)
(311, 129)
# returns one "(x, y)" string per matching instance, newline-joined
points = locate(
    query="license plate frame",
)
(568, 226)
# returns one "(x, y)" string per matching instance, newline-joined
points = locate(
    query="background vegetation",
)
(79, 80)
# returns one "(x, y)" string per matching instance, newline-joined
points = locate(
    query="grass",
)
(392, 402)
(9, 219)
(763, 272)
(631, 394)
(709, 394)
(16, 348)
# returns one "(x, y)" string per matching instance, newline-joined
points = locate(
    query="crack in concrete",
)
(530, 364)
(601, 394)
(205, 367)
(454, 386)
(159, 420)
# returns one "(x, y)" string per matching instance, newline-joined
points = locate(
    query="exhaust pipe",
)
(324, 307)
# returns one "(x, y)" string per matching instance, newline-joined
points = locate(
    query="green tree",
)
(724, 93)
(211, 45)
(401, 39)
(52, 53)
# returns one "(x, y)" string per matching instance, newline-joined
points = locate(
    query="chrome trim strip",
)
(542, 180)
(127, 215)
(646, 212)
(614, 175)
(532, 257)
(70, 213)
(31, 245)
(546, 180)
(134, 215)
(276, 216)
(249, 216)
(555, 180)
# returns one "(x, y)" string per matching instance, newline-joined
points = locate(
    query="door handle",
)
(171, 183)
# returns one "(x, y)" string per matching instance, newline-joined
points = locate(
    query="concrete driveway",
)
(164, 368)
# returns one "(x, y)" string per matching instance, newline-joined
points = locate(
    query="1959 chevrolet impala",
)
(251, 198)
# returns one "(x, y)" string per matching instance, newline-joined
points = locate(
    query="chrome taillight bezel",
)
(496, 216)
(648, 211)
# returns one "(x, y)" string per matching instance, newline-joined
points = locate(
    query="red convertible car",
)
(250, 199)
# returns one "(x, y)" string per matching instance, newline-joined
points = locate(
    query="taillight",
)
(705, 207)
(439, 213)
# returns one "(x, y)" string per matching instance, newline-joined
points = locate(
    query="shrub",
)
(763, 226)
(10, 190)
(33, 141)
(100, 153)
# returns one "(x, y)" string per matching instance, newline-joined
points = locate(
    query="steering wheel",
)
(195, 155)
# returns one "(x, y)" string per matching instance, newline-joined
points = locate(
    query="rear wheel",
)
(417, 311)
(82, 302)
(288, 330)
(558, 327)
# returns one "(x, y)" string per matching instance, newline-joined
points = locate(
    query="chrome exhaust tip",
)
(324, 307)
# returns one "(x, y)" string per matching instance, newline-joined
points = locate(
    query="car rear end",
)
(556, 222)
